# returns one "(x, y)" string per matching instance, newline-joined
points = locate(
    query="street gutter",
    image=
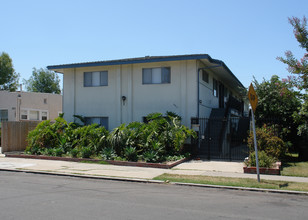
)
(136, 180)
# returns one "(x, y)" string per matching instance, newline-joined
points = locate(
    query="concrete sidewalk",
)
(193, 167)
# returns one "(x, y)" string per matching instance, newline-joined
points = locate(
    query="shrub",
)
(176, 157)
(74, 152)
(264, 160)
(48, 151)
(58, 151)
(168, 131)
(151, 156)
(35, 150)
(46, 134)
(267, 142)
(161, 136)
(130, 153)
(117, 139)
(90, 135)
(86, 152)
(108, 153)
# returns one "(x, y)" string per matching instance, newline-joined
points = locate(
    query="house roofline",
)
(227, 68)
(146, 59)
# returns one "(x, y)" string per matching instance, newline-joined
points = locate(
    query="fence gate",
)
(221, 138)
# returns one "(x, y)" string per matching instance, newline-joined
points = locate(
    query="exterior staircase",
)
(212, 135)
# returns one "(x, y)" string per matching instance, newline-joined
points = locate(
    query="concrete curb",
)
(243, 188)
(136, 180)
(84, 176)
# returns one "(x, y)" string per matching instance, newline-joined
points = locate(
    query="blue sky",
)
(247, 35)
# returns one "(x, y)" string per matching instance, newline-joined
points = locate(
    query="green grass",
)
(295, 169)
(292, 167)
(239, 182)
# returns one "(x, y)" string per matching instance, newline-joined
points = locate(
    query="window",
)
(24, 115)
(34, 115)
(156, 75)
(93, 79)
(102, 121)
(215, 88)
(44, 116)
(4, 115)
(226, 92)
(45, 101)
(205, 76)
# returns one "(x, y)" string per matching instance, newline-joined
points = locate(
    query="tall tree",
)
(8, 77)
(43, 80)
(278, 102)
(299, 67)
(276, 99)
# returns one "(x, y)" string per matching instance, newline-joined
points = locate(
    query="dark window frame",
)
(102, 122)
(215, 87)
(4, 112)
(147, 77)
(87, 82)
(205, 76)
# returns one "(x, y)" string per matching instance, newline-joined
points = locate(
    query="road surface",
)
(34, 196)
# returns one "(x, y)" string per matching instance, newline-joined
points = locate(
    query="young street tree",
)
(43, 80)
(8, 77)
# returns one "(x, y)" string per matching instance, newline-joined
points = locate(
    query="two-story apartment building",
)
(125, 90)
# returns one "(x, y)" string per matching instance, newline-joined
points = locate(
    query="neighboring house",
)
(25, 106)
(121, 91)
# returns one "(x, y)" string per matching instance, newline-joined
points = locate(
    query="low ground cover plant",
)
(160, 139)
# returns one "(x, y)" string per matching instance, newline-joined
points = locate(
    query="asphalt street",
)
(36, 196)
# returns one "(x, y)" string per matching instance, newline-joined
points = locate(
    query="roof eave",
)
(130, 61)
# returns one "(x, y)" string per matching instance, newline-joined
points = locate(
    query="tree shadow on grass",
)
(283, 185)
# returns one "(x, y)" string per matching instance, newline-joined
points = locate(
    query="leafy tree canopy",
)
(276, 99)
(296, 66)
(43, 80)
(299, 67)
(8, 77)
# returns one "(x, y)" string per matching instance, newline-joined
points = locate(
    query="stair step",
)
(217, 113)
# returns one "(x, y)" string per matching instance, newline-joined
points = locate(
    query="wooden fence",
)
(14, 134)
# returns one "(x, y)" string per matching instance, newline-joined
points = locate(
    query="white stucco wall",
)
(8, 101)
(30, 101)
(180, 96)
(208, 100)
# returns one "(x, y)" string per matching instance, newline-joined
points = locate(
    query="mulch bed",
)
(271, 171)
(167, 165)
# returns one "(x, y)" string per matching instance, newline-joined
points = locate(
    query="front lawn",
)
(238, 182)
(292, 167)
(295, 169)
